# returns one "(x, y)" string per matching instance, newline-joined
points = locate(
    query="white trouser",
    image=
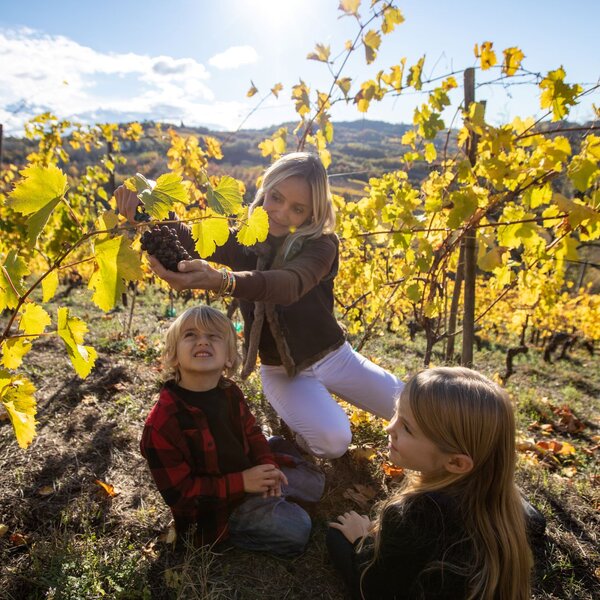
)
(304, 402)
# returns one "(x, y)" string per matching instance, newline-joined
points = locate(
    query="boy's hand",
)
(260, 479)
(276, 489)
(353, 525)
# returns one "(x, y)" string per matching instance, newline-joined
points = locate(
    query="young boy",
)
(209, 459)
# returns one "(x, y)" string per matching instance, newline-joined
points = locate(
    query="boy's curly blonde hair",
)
(206, 319)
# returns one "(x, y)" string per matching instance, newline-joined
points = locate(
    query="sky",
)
(192, 61)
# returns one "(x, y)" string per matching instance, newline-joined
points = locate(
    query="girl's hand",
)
(262, 478)
(127, 203)
(193, 275)
(353, 525)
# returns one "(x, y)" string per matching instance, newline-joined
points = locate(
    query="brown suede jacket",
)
(297, 326)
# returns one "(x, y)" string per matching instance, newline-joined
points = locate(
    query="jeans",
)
(275, 524)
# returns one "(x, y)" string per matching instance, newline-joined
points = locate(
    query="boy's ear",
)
(459, 463)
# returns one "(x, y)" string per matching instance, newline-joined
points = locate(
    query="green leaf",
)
(465, 204)
(72, 331)
(11, 280)
(582, 172)
(37, 195)
(413, 292)
(116, 262)
(209, 233)
(13, 351)
(226, 198)
(34, 319)
(16, 393)
(159, 199)
(255, 229)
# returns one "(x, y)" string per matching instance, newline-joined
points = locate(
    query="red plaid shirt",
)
(182, 455)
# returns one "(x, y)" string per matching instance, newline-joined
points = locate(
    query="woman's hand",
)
(127, 203)
(193, 275)
(353, 525)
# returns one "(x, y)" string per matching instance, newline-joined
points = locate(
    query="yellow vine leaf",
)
(37, 195)
(34, 319)
(16, 394)
(372, 41)
(414, 74)
(577, 213)
(11, 280)
(350, 7)
(582, 172)
(255, 229)
(72, 331)
(49, 286)
(486, 55)
(276, 89)
(225, 198)
(391, 17)
(252, 91)
(321, 53)
(513, 57)
(344, 84)
(213, 147)
(558, 95)
(209, 233)
(300, 94)
(13, 351)
(116, 262)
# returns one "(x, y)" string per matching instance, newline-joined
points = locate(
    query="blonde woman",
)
(285, 288)
(457, 527)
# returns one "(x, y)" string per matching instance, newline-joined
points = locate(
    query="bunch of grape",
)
(161, 242)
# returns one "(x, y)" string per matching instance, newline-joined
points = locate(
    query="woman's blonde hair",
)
(309, 167)
(204, 318)
(463, 412)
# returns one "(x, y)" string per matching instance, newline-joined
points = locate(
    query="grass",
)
(66, 538)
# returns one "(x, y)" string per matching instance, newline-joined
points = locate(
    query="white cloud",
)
(234, 57)
(42, 72)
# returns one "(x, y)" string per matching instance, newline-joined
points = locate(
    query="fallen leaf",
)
(169, 534)
(18, 539)
(109, 490)
(45, 490)
(364, 453)
(360, 494)
(3, 530)
(569, 471)
(392, 470)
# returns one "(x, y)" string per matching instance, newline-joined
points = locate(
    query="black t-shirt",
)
(415, 538)
(214, 404)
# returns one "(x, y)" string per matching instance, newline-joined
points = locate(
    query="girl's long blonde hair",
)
(463, 412)
(309, 167)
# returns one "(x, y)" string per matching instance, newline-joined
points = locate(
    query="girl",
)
(456, 529)
(285, 288)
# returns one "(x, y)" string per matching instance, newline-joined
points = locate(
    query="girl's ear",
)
(459, 463)
(228, 363)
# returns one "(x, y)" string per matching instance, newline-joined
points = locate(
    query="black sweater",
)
(414, 537)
